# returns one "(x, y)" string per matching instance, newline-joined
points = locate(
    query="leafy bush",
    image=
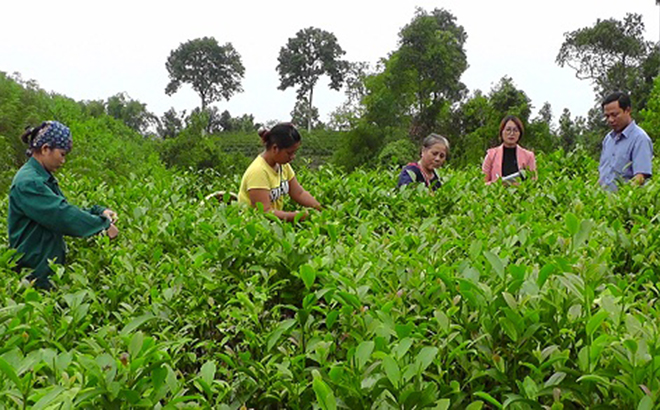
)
(101, 145)
(525, 296)
(399, 152)
(361, 146)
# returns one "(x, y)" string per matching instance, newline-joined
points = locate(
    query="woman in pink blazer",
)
(509, 157)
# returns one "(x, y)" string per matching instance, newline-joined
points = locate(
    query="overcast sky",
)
(92, 50)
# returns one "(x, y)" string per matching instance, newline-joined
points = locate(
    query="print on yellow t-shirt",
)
(260, 175)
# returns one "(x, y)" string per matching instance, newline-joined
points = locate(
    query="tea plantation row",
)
(542, 295)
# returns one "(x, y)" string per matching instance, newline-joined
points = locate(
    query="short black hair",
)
(621, 97)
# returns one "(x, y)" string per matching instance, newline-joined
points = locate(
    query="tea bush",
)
(541, 295)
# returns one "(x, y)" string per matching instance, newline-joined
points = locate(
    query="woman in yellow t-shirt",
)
(270, 177)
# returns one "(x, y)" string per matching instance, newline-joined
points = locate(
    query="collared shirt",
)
(625, 155)
(39, 217)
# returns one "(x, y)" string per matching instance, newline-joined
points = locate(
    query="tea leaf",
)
(8, 371)
(331, 318)
(363, 353)
(402, 348)
(442, 404)
(595, 322)
(544, 274)
(530, 388)
(324, 395)
(555, 379)
(510, 300)
(284, 326)
(136, 323)
(495, 262)
(583, 233)
(392, 371)
(490, 399)
(572, 223)
(207, 372)
(646, 403)
(308, 275)
(425, 358)
(48, 398)
(475, 405)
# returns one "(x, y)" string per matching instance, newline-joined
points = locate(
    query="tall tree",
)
(613, 55)
(423, 74)
(213, 71)
(305, 58)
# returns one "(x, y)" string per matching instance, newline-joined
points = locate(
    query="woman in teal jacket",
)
(39, 214)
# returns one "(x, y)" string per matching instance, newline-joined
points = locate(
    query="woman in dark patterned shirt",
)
(435, 149)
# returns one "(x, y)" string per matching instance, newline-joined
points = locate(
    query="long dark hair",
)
(284, 135)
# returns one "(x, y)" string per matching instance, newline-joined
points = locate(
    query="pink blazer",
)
(492, 166)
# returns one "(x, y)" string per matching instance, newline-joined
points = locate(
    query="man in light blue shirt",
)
(627, 150)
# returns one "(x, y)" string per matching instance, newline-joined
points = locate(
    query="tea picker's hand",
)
(302, 215)
(111, 215)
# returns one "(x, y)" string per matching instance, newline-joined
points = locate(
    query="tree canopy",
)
(214, 71)
(613, 55)
(422, 77)
(132, 112)
(305, 58)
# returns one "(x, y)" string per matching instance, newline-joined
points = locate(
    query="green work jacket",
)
(40, 216)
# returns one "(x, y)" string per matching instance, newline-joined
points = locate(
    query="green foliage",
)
(244, 123)
(614, 56)
(305, 58)
(650, 121)
(361, 146)
(423, 75)
(475, 126)
(304, 113)
(102, 145)
(540, 132)
(569, 131)
(196, 150)
(170, 124)
(383, 106)
(506, 99)
(22, 104)
(132, 112)
(231, 152)
(529, 296)
(93, 108)
(352, 109)
(212, 70)
(399, 152)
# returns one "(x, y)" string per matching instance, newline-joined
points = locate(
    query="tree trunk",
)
(205, 129)
(309, 110)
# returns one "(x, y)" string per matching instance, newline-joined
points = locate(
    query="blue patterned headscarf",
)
(55, 134)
